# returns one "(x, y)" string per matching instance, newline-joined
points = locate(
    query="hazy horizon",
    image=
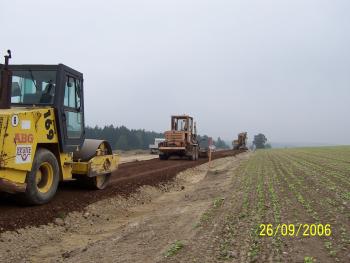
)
(275, 67)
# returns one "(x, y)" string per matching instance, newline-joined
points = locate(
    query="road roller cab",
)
(42, 133)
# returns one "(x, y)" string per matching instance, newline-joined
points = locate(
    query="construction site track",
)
(73, 197)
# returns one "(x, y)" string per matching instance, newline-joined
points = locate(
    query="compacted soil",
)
(73, 197)
(138, 228)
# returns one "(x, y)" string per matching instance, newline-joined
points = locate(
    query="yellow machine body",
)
(22, 131)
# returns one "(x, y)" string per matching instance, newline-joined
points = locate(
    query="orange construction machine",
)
(181, 140)
(241, 142)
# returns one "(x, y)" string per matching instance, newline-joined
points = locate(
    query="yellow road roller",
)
(42, 133)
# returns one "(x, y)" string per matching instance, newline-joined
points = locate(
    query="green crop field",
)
(292, 205)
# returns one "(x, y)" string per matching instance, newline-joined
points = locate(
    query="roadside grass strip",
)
(237, 224)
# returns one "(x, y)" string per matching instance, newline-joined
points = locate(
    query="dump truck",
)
(42, 133)
(154, 148)
(181, 140)
(241, 142)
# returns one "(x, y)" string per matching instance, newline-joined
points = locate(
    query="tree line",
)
(122, 138)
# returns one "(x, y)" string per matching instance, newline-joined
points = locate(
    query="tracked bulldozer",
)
(241, 142)
(181, 140)
(42, 133)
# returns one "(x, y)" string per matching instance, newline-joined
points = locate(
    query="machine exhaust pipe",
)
(5, 85)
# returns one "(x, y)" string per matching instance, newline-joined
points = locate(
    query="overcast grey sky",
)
(272, 66)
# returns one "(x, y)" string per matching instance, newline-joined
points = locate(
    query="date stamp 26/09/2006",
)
(295, 230)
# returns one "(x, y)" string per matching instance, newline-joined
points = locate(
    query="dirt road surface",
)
(73, 197)
(140, 228)
(137, 157)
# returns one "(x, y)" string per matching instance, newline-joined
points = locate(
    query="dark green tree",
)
(220, 144)
(203, 141)
(122, 142)
(260, 141)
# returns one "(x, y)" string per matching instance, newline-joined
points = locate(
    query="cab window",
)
(72, 104)
(72, 93)
(33, 87)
